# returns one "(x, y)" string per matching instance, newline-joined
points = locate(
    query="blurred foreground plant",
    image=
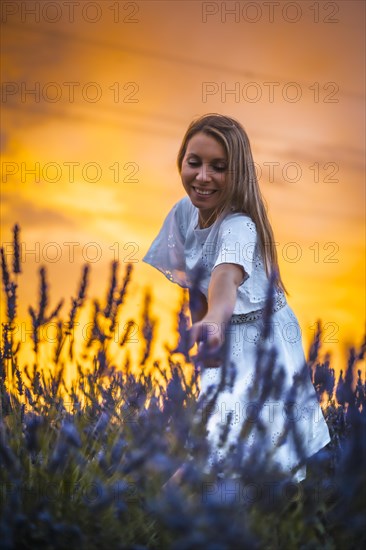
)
(83, 466)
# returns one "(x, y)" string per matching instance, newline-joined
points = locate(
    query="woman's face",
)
(204, 173)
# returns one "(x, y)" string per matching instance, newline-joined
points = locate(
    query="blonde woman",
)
(221, 227)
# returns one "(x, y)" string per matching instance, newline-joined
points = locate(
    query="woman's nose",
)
(203, 173)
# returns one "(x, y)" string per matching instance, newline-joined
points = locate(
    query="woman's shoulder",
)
(183, 211)
(185, 208)
(184, 205)
(238, 222)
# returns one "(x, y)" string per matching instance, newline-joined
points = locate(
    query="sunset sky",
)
(89, 157)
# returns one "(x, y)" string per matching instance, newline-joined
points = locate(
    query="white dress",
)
(179, 248)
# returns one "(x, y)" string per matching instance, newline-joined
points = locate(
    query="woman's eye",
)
(215, 168)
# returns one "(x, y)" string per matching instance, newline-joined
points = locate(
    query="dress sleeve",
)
(238, 244)
(166, 252)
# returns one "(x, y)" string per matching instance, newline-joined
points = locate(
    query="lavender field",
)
(84, 464)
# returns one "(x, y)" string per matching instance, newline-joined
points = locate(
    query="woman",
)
(221, 229)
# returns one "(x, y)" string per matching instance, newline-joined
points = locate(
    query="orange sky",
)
(139, 72)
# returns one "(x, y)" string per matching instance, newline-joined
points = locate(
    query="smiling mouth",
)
(204, 191)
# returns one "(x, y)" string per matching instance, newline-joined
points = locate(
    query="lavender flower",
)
(16, 250)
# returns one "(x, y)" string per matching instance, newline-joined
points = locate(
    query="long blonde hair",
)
(243, 192)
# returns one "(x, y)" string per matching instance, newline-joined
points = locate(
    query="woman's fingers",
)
(209, 357)
(197, 334)
(205, 332)
(205, 350)
(192, 336)
(209, 344)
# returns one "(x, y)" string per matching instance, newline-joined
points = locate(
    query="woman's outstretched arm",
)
(222, 292)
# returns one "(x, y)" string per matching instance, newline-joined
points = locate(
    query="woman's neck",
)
(203, 222)
(206, 221)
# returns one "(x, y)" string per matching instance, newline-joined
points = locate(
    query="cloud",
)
(24, 211)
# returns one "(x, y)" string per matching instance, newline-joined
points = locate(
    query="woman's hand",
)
(209, 335)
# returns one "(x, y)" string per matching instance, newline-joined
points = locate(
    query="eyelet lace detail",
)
(171, 240)
(251, 226)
